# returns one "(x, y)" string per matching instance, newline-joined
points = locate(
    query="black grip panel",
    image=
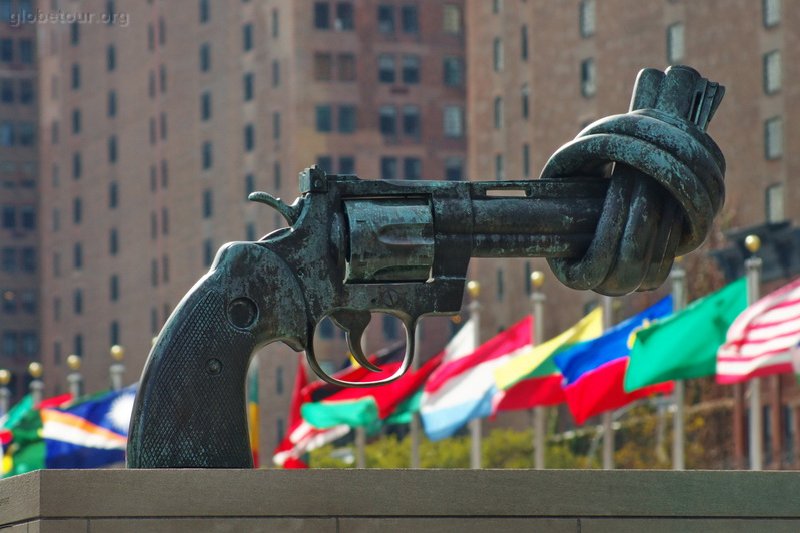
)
(190, 409)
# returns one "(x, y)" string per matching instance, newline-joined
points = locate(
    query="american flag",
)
(763, 339)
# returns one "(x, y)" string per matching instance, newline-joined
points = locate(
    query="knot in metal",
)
(666, 182)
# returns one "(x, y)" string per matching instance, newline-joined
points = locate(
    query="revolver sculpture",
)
(610, 211)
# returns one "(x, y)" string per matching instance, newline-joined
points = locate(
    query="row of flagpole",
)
(74, 378)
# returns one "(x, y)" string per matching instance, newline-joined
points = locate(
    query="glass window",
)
(7, 133)
(208, 252)
(325, 162)
(207, 155)
(454, 169)
(497, 54)
(675, 44)
(77, 166)
(208, 203)
(586, 18)
(772, 71)
(111, 58)
(499, 167)
(347, 118)
(386, 68)
(275, 23)
(77, 256)
(26, 91)
(205, 106)
(6, 50)
(77, 302)
(247, 37)
(7, 90)
(113, 241)
(76, 121)
(276, 175)
(498, 113)
(247, 82)
(773, 138)
(501, 285)
(523, 42)
(276, 125)
(411, 69)
(526, 161)
(347, 164)
(412, 168)
(389, 327)
(76, 76)
(27, 133)
(205, 57)
(388, 120)
(409, 16)
(453, 121)
(323, 66)
(27, 216)
(9, 259)
(28, 302)
(453, 71)
(772, 12)
(9, 217)
(276, 73)
(324, 118)
(525, 104)
(249, 137)
(386, 18)
(321, 15)
(162, 78)
(112, 149)
(205, 11)
(774, 203)
(249, 184)
(588, 78)
(77, 210)
(388, 168)
(112, 103)
(9, 302)
(344, 16)
(113, 195)
(26, 51)
(452, 19)
(346, 67)
(411, 121)
(5, 10)
(10, 343)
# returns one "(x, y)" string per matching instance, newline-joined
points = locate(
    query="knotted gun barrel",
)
(610, 212)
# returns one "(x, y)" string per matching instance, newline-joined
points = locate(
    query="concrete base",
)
(399, 500)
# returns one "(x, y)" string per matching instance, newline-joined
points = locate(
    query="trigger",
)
(354, 323)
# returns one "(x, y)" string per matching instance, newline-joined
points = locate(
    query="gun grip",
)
(190, 408)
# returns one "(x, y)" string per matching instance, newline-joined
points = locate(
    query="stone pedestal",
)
(420, 501)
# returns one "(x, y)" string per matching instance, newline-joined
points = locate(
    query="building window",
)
(7, 90)
(113, 288)
(276, 175)
(412, 168)
(26, 92)
(76, 121)
(773, 138)
(162, 122)
(151, 84)
(26, 51)
(453, 71)
(77, 165)
(77, 256)
(76, 76)
(496, 6)
(113, 241)
(324, 119)
(772, 12)
(411, 121)
(247, 37)
(112, 149)
(499, 167)
(389, 327)
(588, 78)
(323, 66)
(387, 121)
(162, 31)
(497, 54)
(388, 168)
(249, 138)
(347, 164)
(10, 259)
(386, 68)
(453, 121)
(28, 260)
(586, 18)
(164, 174)
(113, 195)
(151, 37)
(208, 203)
(321, 16)
(454, 169)
(386, 18)
(498, 113)
(774, 203)
(248, 85)
(162, 78)
(344, 16)
(347, 119)
(205, 11)
(111, 58)
(27, 133)
(114, 336)
(276, 125)
(411, 69)
(409, 18)
(275, 23)
(325, 162)
(207, 155)
(74, 34)
(452, 19)
(7, 133)
(9, 217)
(523, 42)
(77, 210)
(675, 43)
(279, 380)
(164, 221)
(10, 343)
(165, 268)
(280, 430)
(346, 64)
(205, 57)
(77, 302)
(154, 273)
(205, 106)
(525, 104)
(276, 73)
(28, 302)
(772, 71)
(112, 104)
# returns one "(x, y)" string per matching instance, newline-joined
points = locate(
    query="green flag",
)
(684, 345)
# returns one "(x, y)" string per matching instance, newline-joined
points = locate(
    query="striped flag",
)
(762, 339)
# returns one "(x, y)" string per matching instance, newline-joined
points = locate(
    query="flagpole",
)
(608, 421)
(539, 414)
(74, 379)
(752, 267)
(117, 369)
(36, 385)
(678, 436)
(415, 422)
(5, 393)
(474, 290)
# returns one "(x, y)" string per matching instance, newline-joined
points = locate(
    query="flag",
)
(90, 433)
(541, 386)
(367, 406)
(302, 437)
(594, 370)
(24, 449)
(684, 345)
(762, 338)
(463, 387)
